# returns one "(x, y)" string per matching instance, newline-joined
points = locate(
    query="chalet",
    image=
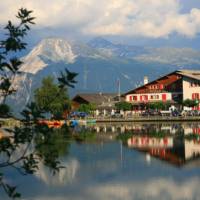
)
(101, 100)
(174, 87)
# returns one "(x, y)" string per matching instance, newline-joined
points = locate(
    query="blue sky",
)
(140, 22)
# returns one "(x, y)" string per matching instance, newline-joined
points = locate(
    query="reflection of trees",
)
(29, 145)
(84, 136)
(53, 144)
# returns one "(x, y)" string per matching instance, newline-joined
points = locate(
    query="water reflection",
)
(172, 128)
(125, 161)
(169, 149)
(65, 176)
(176, 143)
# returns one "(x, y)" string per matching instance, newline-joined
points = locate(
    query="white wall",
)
(188, 90)
(168, 97)
(191, 149)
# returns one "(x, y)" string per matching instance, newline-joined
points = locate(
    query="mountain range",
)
(99, 63)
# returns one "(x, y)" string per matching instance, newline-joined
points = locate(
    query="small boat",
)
(76, 122)
(73, 123)
(52, 123)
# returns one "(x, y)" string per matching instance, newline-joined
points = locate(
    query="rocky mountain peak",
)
(100, 42)
(47, 51)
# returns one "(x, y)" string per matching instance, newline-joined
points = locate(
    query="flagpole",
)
(119, 89)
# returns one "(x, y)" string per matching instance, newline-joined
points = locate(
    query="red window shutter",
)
(135, 98)
(164, 97)
(146, 97)
(140, 98)
(165, 141)
(130, 98)
(161, 86)
(193, 96)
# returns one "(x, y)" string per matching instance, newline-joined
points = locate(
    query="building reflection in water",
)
(173, 150)
(171, 128)
(172, 145)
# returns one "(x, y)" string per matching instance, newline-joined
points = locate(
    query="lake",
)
(132, 161)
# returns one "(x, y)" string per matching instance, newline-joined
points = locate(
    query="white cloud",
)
(160, 188)
(147, 18)
(65, 176)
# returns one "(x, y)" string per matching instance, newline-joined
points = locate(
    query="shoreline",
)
(150, 119)
(10, 122)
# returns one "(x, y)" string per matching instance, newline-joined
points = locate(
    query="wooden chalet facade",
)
(101, 100)
(174, 87)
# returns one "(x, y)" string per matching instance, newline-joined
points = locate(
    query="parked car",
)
(78, 114)
(150, 113)
(145, 113)
(176, 113)
(193, 113)
(166, 112)
(117, 115)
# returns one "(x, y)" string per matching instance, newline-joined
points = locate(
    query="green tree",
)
(4, 110)
(88, 108)
(159, 105)
(190, 103)
(9, 63)
(125, 106)
(23, 138)
(51, 98)
(9, 68)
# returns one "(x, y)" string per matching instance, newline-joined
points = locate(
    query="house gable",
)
(160, 85)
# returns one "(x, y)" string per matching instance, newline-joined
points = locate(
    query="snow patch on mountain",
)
(22, 84)
(47, 51)
(32, 65)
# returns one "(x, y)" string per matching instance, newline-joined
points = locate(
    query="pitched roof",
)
(194, 74)
(97, 98)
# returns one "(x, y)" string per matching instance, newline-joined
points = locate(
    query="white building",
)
(176, 86)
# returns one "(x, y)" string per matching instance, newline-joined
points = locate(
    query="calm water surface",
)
(153, 161)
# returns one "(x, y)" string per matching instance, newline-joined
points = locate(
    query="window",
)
(195, 96)
(154, 97)
(195, 84)
(144, 98)
(155, 87)
(134, 98)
